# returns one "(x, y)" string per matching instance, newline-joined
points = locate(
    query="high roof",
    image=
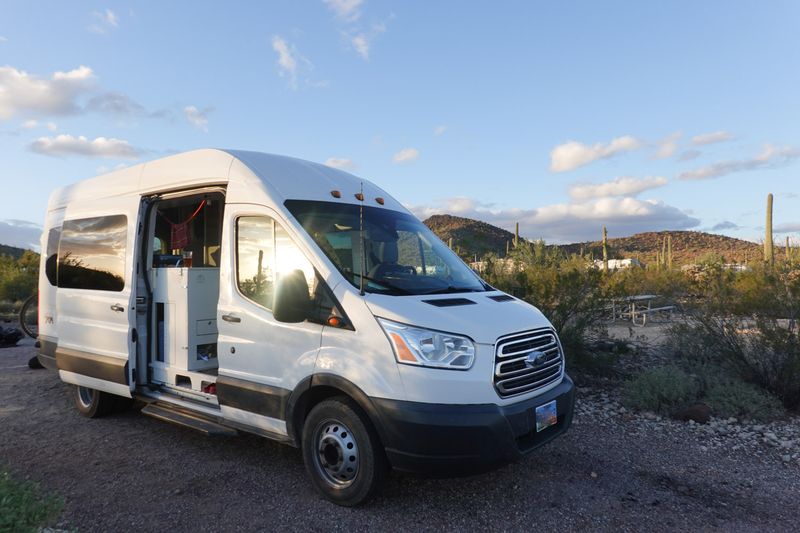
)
(280, 177)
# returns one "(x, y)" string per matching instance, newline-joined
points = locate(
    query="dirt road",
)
(128, 471)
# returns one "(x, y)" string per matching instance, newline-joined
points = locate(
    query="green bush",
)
(23, 508)
(735, 398)
(749, 322)
(661, 390)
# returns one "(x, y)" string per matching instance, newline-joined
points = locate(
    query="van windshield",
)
(402, 256)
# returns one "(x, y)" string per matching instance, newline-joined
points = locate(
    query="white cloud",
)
(711, 138)
(668, 145)
(725, 225)
(346, 10)
(362, 41)
(572, 154)
(341, 163)
(3, 39)
(52, 126)
(21, 92)
(406, 155)
(20, 233)
(29, 124)
(196, 117)
(688, 155)
(622, 186)
(292, 65)
(770, 157)
(789, 227)
(571, 222)
(439, 130)
(104, 21)
(62, 145)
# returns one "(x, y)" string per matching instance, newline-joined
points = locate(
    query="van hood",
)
(474, 314)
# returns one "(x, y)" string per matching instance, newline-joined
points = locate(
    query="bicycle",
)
(29, 322)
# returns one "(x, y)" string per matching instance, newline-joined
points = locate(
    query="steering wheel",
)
(381, 270)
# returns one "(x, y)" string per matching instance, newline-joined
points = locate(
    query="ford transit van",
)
(239, 291)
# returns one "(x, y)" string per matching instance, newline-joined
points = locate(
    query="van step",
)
(194, 421)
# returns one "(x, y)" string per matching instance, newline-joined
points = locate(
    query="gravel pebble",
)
(613, 470)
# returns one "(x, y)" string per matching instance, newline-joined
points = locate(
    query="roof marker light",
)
(336, 194)
(379, 200)
(359, 197)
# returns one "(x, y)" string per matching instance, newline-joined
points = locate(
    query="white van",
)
(240, 291)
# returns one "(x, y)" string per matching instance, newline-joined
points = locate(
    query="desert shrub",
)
(662, 390)
(749, 322)
(742, 400)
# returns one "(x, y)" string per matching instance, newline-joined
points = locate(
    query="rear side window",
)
(92, 253)
(51, 262)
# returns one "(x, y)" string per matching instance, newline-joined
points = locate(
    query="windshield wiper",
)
(451, 289)
(382, 283)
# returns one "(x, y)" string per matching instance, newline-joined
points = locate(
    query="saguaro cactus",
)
(669, 252)
(605, 249)
(516, 235)
(769, 252)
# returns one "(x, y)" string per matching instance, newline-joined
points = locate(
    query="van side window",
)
(51, 263)
(91, 254)
(264, 251)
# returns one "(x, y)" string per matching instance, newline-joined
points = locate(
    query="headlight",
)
(418, 346)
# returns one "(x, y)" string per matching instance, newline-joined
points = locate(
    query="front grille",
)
(513, 374)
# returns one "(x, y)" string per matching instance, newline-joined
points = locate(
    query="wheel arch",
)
(319, 387)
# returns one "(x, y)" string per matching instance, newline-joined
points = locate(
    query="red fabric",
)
(180, 236)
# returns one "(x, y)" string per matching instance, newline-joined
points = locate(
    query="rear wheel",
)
(93, 403)
(342, 452)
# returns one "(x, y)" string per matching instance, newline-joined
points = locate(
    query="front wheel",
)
(342, 453)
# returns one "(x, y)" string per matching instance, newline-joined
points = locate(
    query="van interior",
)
(181, 280)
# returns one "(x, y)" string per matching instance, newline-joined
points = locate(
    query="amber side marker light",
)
(359, 197)
(336, 194)
(403, 353)
(379, 200)
(334, 322)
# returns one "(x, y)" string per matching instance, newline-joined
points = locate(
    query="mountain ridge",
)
(473, 238)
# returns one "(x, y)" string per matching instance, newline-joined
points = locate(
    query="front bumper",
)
(453, 440)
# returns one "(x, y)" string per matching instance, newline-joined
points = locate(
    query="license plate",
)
(546, 416)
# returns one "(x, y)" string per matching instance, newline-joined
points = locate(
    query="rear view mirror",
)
(292, 303)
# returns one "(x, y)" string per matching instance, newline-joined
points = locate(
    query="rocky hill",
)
(470, 237)
(687, 247)
(473, 237)
(13, 251)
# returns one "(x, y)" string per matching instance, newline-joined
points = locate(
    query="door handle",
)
(231, 318)
(118, 308)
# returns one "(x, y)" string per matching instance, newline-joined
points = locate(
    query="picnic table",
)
(637, 308)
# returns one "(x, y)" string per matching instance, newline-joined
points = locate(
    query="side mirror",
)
(292, 303)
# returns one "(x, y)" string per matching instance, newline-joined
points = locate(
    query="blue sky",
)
(562, 116)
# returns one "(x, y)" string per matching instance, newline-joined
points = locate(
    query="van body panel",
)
(252, 345)
(364, 356)
(99, 321)
(47, 290)
(484, 321)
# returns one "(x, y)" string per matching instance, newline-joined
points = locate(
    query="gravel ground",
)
(613, 470)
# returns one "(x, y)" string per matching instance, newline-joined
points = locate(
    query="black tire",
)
(343, 455)
(93, 403)
(34, 364)
(30, 329)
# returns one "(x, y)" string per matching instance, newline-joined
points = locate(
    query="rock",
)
(593, 475)
(786, 458)
(698, 412)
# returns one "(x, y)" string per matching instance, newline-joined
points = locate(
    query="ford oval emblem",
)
(535, 359)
